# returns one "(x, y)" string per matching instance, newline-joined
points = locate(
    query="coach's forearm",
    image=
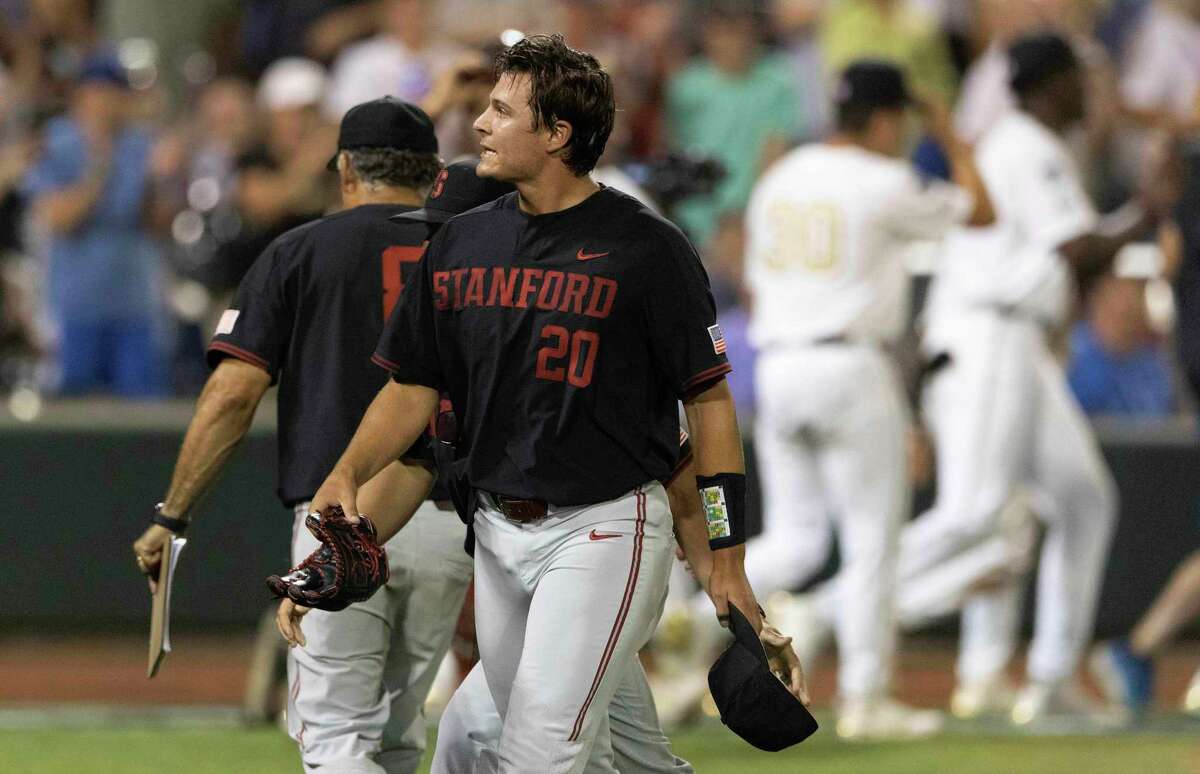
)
(223, 415)
(393, 422)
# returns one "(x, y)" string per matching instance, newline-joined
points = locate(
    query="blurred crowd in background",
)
(149, 151)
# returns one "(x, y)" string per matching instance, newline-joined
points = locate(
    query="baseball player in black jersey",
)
(306, 316)
(564, 321)
(470, 726)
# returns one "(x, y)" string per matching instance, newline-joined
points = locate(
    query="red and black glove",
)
(349, 565)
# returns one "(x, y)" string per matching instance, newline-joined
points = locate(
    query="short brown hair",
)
(565, 85)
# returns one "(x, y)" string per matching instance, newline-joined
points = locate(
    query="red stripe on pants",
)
(622, 612)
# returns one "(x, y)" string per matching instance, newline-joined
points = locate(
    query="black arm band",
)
(723, 497)
(178, 526)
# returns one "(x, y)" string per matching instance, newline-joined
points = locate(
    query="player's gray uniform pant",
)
(830, 442)
(358, 687)
(561, 611)
(1003, 418)
(469, 731)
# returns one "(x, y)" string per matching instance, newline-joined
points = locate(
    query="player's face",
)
(1071, 90)
(510, 148)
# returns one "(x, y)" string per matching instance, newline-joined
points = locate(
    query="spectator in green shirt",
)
(735, 102)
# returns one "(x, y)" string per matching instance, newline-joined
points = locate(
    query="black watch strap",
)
(178, 526)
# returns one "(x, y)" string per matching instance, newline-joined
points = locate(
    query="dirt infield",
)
(202, 669)
(211, 669)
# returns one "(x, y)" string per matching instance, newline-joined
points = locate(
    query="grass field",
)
(711, 748)
(73, 705)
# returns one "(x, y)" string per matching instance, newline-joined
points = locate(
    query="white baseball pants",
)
(358, 687)
(830, 444)
(1003, 419)
(562, 606)
(469, 731)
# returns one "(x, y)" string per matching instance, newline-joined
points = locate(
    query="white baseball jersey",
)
(1040, 203)
(825, 226)
(1004, 420)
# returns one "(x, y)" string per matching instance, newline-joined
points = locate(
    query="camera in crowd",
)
(677, 176)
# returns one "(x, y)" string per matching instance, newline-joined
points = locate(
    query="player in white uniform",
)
(1001, 413)
(826, 229)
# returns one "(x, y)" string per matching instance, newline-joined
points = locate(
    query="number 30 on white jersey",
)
(825, 228)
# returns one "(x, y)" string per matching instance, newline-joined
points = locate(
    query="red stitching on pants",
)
(622, 612)
(295, 694)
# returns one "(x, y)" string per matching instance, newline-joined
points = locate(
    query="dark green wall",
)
(74, 499)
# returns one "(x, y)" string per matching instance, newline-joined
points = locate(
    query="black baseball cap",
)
(1036, 58)
(753, 702)
(872, 83)
(386, 123)
(456, 190)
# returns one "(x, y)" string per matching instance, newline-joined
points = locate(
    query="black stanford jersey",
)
(309, 312)
(564, 341)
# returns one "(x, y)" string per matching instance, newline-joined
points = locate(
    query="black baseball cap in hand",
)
(386, 123)
(872, 83)
(456, 190)
(754, 703)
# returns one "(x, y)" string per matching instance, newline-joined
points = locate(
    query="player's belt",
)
(520, 511)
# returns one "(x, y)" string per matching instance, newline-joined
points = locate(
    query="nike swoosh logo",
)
(582, 256)
(594, 535)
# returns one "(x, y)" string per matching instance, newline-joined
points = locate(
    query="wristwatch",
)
(178, 526)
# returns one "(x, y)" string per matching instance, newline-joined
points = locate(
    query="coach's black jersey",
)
(564, 341)
(309, 312)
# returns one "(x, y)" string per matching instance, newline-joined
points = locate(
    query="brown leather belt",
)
(520, 511)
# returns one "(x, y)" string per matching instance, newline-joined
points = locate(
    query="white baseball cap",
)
(291, 82)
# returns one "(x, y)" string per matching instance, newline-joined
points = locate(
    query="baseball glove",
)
(348, 567)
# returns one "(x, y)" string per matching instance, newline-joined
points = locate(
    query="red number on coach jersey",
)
(393, 280)
(583, 348)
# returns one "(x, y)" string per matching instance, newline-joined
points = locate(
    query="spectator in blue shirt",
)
(1118, 366)
(90, 195)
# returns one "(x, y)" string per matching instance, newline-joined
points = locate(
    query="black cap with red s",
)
(456, 190)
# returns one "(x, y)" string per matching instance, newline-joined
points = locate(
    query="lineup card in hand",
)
(160, 606)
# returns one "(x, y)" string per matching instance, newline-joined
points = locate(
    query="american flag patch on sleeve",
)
(718, 339)
(227, 321)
